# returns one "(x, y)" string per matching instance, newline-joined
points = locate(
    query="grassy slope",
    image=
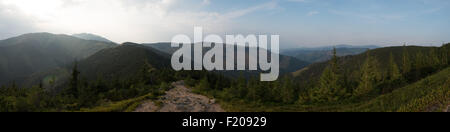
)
(429, 94)
(122, 106)
(354, 62)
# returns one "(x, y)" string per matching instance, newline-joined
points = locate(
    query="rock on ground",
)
(181, 99)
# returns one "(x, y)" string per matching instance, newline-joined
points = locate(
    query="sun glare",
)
(37, 8)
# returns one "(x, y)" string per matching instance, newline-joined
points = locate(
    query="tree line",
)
(335, 85)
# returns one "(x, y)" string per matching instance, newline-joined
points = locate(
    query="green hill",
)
(351, 64)
(288, 64)
(385, 79)
(88, 36)
(28, 54)
(427, 95)
(321, 55)
(123, 61)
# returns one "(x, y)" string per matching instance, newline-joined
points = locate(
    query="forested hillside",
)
(25, 55)
(407, 78)
(398, 76)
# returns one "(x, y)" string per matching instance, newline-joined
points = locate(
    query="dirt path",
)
(448, 109)
(181, 99)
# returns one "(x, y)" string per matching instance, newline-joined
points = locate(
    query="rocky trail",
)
(180, 99)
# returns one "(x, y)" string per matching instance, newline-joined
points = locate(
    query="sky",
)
(300, 23)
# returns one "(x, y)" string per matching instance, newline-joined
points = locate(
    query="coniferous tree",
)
(242, 86)
(330, 84)
(146, 73)
(275, 91)
(287, 91)
(14, 86)
(406, 65)
(252, 87)
(444, 54)
(369, 77)
(203, 85)
(73, 87)
(393, 77)
(420, 62)
(447, 53)
(393, 71)
(433, 59)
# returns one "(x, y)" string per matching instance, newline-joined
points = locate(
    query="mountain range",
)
(22, 56)
(407, 78)
(33, 58)
(321, 54)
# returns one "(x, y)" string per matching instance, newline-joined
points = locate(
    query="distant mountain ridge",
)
(334, 46)
(288, 64)
(88, 36)
(27, 54)
(321, 54)
(354, 62)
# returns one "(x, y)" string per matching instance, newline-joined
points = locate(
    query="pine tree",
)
(275, 92)
(146, 73)
(287, 91)
(447, 53)
(323, 93)
(40, 84)
(252, 87)
(330, 87)
(443, 55)
(242, 86)
(334, 62)
(420, 61)
(203, 85)
(393, 77)
(433, 59)
(73, 87)
(369, 77)
(406, 65)
(419, 64)
(393, 71)
(14, 86)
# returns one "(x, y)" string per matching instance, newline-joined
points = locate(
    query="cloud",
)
(370, 17)
(242, 12)
(119, 20)
(301, 1)
(297, 0)
(13, 22)
(312, 13)
(206, 2)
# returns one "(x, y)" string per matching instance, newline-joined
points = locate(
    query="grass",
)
(429, 94)
(122, 106)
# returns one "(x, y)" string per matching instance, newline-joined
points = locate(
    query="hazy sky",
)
(298, 22)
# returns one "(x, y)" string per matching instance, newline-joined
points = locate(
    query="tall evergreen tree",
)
(444, 55)
(420, 61)
(393, 71)
(369, 77)
(330, 84)
(203, 85)
(433, 59)
(252, 87)
(287, 91)
(406, 62)
(74, 83)
(242, 86)
(146, 73)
